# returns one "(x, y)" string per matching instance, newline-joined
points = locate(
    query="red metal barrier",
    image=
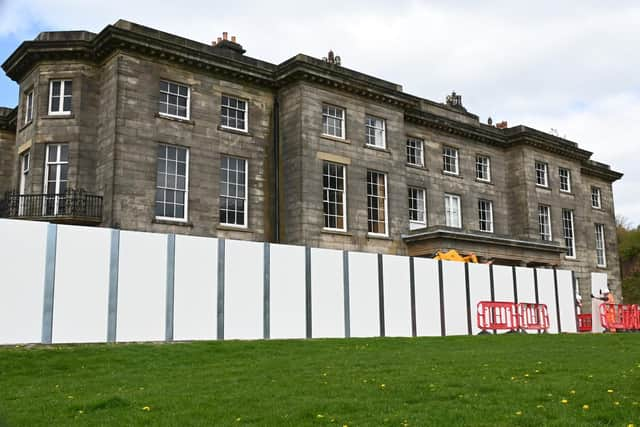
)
(611, 316)
(533, 316)
(509, 316)
(494, 315)
(584, 322)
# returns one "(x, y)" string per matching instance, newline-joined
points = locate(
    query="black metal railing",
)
(71, 205)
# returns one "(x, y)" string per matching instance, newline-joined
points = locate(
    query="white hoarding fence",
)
(70, 284)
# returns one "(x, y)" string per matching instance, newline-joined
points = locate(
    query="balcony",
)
(72, 207)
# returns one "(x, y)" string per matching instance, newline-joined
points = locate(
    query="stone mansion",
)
(137, 129)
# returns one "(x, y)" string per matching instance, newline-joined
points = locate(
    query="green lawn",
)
(485, 380)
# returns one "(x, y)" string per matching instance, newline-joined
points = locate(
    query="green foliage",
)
(631, 289)
(628, 243)
(529, 380)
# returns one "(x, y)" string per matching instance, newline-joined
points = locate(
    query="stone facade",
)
(115, 128)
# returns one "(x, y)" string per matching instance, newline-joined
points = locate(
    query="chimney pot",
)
(219, 39)
(502, 125)
(224, 35)
(233, 39)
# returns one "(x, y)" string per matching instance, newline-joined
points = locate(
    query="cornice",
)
(442, 233)
(600, 170)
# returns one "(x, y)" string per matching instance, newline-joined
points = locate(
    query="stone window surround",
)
(447, 218)
(343, 192)
(185, 218)
(447, 154)
(544, 223)
(485, 207)
(29, 104)
(63, 84)
(419, 207)
(383, 131)
(564, 179)
(542, 173)
(601, 253)
(596, 196)
(245, 129)
(176, 116)
(385, 206)
(569, 232)
(342, 118)
(488, 158)
(422, 151)
(246, 194)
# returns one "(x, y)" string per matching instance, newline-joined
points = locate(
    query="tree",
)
(629, 254)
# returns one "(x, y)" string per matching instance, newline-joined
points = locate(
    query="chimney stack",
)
(233, 39)
(224, 35)
(502, 125)
(228, 44)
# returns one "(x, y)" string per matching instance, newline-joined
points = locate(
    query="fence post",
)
(49, 283)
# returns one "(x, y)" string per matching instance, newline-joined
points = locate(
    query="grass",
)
(485, 380)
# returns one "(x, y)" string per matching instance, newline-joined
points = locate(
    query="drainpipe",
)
(276, 169)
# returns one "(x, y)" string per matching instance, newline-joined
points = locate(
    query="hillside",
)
(629, 249)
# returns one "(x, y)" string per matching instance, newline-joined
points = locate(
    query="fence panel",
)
(397, 296)
(243, 290)
(142, 287)
(327, 294)
(196, 288)
(427, 297)
(287, 295)
(525, 285)
(81, 295)
(22, 254)
(479, 290)
(547, 295)
(363, 295)
(455, 295)
(566, 298)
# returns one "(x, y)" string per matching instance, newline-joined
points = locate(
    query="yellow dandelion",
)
(539, 406)
(81, 411)
(320, 416)
(565, 401)
(609, 391)
(630, 425)
(345, 425)
(238, 419)
(526, 375)
(382, 385)
(590, 376)
(585, 407)
(537, 371)
(572, 392)
(69, 397)
(146, 408)
(616, 403)
(519, 413)
(513, 378)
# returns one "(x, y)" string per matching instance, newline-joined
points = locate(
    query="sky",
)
(571, 66)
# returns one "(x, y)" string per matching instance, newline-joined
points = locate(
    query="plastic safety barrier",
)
(611, 316)
(509, 316)
(584, 322)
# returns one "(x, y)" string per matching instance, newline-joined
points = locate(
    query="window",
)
(452, 211)
(544, 222)
(333, 196)
(541, 174)
(28, 107)
(56, 178)
(596, 201)
(333, 121)
(174, 100)
(25, 166)
(234, 113)
(417, 208)
(377, 203)
(233, 191)
(601, 258)
(567, 228)
(60, 97)
(415, 152)
(485, 215)
(565, 180)
(172, 182)
(483, 168)
(374, 132)
(450, 159)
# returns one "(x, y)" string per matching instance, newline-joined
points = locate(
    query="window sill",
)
(567, 193)
(59, 116)
(335, 138)
(452, 175)
(234, 131)
(601, 267)
(412, 166)
(375, 148)
(571, 259)
(542, 187)
(26, 125)
(378, 236)
(596, 209)
(224, 227)
(484, 181)
(172, 222)
(336, 232)
(175, 119)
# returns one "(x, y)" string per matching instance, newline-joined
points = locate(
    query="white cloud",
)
(568, 65)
